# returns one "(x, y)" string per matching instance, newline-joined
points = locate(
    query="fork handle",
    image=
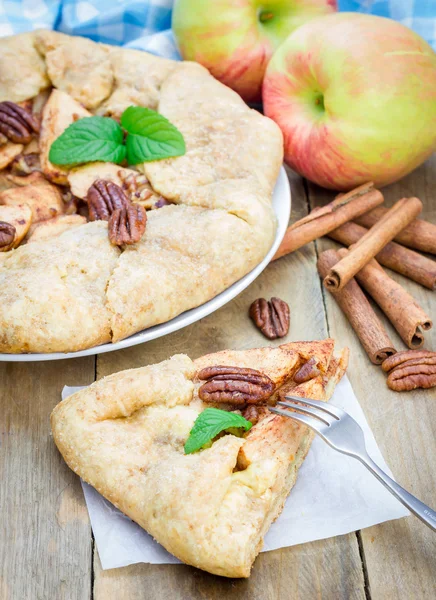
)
(418, 508)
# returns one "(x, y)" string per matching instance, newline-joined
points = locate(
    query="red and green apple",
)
(235, 39)
(355, 98)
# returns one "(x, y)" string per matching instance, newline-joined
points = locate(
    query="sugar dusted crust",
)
(125, 435)
(55, 291)
(220, 226)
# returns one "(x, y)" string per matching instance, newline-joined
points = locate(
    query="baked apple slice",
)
(8, 152)
(53, 227)
(81, 178)
(60, 111)
(135, 184)
(43, 198)
(19, 217)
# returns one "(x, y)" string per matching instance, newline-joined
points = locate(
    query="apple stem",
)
(265, 16)
(319, 102)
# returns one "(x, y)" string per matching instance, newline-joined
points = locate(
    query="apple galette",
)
(96, 251)
(189, 450)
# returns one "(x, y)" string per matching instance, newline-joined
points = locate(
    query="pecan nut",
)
(308, 371)
(7, 236)
(127, 225)
(272, 318)
(234, 385)
(16, 123)
(399, 358)
(103, 198)
(251, 413)
(410, 370)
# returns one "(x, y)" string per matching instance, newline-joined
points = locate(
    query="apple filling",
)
(40, 200)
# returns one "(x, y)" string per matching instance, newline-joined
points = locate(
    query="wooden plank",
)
(329, 569)
(400, 556)
(46, 546)
(325, 569)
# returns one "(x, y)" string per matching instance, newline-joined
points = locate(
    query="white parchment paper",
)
(334, 495)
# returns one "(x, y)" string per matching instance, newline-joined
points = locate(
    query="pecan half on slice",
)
(7, 236)
(234, 385)
(272, 318)
(410, 370)
(16, 123)
(127, 225)
(308, 371)
(103, 198)
(251, 413)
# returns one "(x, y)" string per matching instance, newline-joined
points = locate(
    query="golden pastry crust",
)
(77, 66)
(22, 70)
(52, 293)
(225, 139)
(125, 435)
(188, 255)
(138, 77)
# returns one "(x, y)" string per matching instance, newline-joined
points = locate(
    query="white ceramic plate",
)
(282, 209)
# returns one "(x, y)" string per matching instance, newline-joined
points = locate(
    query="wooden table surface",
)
(46, 546)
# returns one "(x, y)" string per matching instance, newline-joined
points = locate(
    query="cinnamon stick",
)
(419, 234)
(400, 215)
(359, 312)
(399, 306)
(398, 258)
(324, 219)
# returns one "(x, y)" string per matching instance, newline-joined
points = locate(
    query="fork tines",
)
(314, 409)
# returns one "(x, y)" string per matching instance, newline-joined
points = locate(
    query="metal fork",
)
(342, 433)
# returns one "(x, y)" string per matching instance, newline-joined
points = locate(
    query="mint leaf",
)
(88, 140)
(150, 136)
(209, 424)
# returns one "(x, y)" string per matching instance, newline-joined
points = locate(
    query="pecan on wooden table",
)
(272, 318)
(127, 224)
(17, 124)
(234, 385)
(410, 370)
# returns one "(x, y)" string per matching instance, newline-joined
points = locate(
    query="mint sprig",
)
(144, 135)
(209, 424)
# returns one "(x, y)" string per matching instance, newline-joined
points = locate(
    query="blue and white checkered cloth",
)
(146, 24)
(419, 15)
(141, 24)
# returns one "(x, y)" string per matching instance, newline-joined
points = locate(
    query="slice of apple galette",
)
(189, 450)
